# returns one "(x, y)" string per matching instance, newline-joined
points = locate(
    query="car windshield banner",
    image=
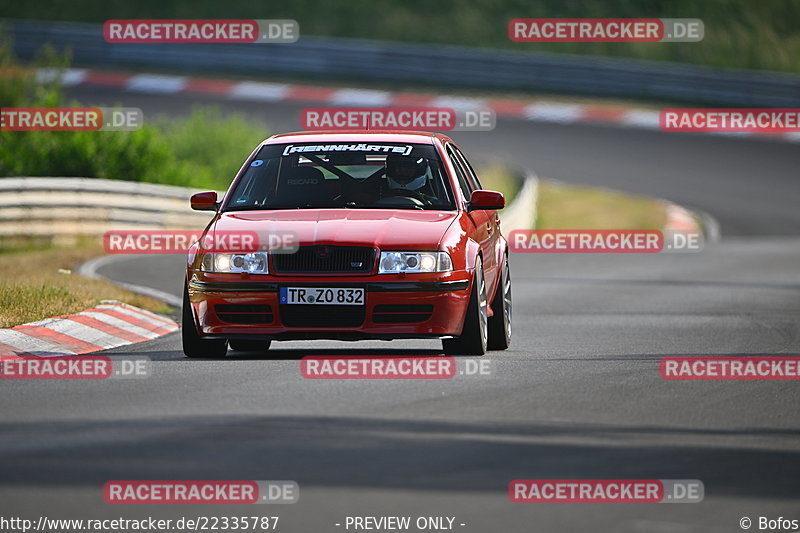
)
(360, 147)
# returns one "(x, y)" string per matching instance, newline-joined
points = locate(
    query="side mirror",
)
(488, 200)
(204, 201)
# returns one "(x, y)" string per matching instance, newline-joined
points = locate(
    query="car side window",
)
(471, 175)
(463, 182)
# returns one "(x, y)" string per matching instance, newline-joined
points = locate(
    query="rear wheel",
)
(474, 334)
(194, 345)
(249, 346)
(500, 322)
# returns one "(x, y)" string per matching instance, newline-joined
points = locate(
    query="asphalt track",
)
(577, 396)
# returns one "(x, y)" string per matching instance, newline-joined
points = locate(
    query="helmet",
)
(406, 172)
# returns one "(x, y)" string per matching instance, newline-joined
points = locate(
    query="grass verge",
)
(563, 206)
(38, 284)
(203, 150)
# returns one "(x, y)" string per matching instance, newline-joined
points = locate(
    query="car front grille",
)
(401, 313)
(325, 259)
(322, 316)
(244, 313)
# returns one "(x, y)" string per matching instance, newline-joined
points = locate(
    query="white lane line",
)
(89, 269)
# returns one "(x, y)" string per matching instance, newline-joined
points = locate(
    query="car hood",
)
(385, 228)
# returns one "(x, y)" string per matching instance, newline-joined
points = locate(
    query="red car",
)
(383, 235)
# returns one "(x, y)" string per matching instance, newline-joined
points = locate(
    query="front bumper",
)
(396, 306)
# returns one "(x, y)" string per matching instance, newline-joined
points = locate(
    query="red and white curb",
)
(680, 219)
(537, 110)
(108, 325)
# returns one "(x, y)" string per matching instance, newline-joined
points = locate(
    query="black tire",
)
(195, 346)
(500, 321)
(474, 334)
(249, 346)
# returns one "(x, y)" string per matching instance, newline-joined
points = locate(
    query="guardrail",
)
(90, 206)
(446, 66)
(52, 207)
(521, 212)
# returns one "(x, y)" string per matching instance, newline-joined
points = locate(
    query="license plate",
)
(321, 296)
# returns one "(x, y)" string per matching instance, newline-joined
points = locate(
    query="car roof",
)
(419, 137)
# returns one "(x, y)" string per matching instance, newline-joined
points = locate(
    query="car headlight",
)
(253, 263)
(392, 262)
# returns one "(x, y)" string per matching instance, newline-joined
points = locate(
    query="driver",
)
(406, 174)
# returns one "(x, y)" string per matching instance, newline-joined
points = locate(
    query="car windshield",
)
(347, 174)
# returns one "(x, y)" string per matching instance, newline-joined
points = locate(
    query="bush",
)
(204, 150)
(739, 33)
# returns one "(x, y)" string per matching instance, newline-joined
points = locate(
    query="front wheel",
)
(194, 345)
(500, 322)
(474, 334)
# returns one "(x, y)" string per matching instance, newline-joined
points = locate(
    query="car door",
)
(492, 253)
(480, 218)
